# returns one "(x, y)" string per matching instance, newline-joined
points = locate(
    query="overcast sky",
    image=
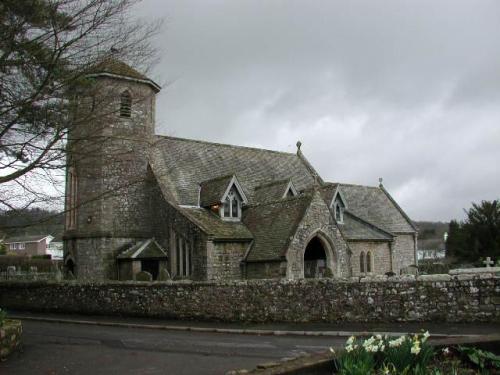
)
(404, 90)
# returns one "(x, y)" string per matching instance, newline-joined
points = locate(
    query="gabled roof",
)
(112, 67)
(273, 191)
(273, 225)
(211, 191)
(149, 249)
(374, 205)
(28, 239)
(355, 228)
(216, 228)
(183, 164)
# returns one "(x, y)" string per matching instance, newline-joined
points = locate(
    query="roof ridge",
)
(225, 144)
(355, 185)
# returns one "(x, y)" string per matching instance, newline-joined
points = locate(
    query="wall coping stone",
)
(477, 270)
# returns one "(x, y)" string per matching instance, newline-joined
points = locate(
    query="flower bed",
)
(10, 335)
(411, 355)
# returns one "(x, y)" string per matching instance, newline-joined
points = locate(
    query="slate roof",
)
(355, 228)
(149, 249)
(116, 67)
(272, 191)
(215, 227)
(273, 225)
(374, 205)
(212, 190)
(183, 164)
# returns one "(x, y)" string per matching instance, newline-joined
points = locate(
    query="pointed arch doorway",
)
(315, 259)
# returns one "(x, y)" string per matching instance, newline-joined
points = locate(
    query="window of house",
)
(362, 262)
(21, 246)
(125, 104)
(12, 246)
(232, 205)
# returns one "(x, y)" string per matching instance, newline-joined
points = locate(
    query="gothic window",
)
(183, 254)
(71, 199)
(125, 104)
(290, 194)
(362, 262)
(232, 205)
(368, 262)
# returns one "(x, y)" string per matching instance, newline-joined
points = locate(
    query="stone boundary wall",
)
(460, 298)
(10, 337)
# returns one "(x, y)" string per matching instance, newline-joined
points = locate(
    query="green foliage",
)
(479, 235)
(3, 249)
(480, 358)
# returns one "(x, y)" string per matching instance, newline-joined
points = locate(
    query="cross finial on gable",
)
(299, 143)
(380, 180)
(488, 262)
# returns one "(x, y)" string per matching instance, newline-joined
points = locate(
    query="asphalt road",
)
(61, 348)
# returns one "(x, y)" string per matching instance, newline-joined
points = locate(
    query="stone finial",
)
(488, 262)
(299, 143)
(380, 181)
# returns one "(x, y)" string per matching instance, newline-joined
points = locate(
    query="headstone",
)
(70, 276)
(488, 262)
(11, 271)
(164, 275)
(143, 276)
(58, 274)
(33, 269)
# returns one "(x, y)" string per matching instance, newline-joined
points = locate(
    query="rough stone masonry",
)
(460, 298)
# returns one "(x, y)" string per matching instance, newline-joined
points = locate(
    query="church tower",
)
(107, 179)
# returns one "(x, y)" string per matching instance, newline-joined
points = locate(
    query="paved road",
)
(56, 348)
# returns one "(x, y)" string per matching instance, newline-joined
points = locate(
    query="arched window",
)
(362, 262)
(125, 104)
(368, 262)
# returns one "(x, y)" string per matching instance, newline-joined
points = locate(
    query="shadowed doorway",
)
(314, 259)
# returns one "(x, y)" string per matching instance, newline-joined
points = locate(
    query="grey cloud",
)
(400, 89)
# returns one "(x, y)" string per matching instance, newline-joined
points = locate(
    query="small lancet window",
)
(368, 262)
(125, 104)
(362, 262)
(339, 211)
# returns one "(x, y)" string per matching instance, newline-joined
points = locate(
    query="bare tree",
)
(47, 49)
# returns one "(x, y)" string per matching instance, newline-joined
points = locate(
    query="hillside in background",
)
(30, 222)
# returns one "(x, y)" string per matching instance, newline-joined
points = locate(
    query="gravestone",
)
(33, 272)
(164, 275)
(11, 271)
(70, 276)
(143, 276)
(58, 274)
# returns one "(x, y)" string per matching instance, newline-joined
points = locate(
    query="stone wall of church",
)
(380, 254)
(168, 224)
(461, 298)
(403, 252)
(224, 260)
(317, 220)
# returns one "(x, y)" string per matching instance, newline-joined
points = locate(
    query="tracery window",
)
(232, 205)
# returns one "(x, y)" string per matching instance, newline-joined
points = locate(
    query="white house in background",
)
(55, 248)
(28, 245)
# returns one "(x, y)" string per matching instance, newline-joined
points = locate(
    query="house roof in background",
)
(27, 239)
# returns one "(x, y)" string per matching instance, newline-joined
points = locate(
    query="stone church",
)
(188, 209)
